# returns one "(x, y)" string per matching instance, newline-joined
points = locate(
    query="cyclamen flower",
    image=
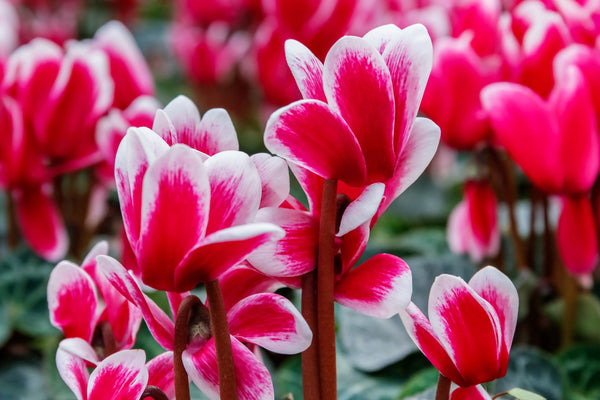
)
(210, 229)
(123, 375)
(470, 328)
(76, 309)
(281, 329)
(473, 224)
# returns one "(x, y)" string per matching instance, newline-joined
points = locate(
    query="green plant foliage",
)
(581, 364)
(587, 318)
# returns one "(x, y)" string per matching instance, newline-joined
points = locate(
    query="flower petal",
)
(235, 190)
(379, 287)
(470, 393)
(307, 70)
(168, 230)
(40, 221)
(216, 133)
(295, 253)
(72, 367)
(184, 118)
(362, 209)
(280, 328)
(222, 250)
(468, 328)
(139, 148)
(358, 86)
(309, 134)
(161, 373)
(72, 301)
(274, 177)
(522, 121)
(123, 374)
(242, 281)
(498, 290)
(408, 53)
(421, 332)
(252, 377)
(160, 325)
(417, 153)
(576, 236)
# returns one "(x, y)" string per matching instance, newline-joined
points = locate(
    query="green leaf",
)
(523, 394)
(581, 363)
(420, 382)
(587, 318)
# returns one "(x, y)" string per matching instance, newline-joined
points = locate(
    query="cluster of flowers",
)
(63, 109)
(197, 210)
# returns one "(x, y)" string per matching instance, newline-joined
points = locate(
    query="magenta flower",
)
(121, 376)
(470, 393)
(473, 224)
(280, 328)
(76, 309)
(470, 328)
(212, 227)
(563, 130)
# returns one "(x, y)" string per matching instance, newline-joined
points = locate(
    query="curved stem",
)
(182, 322)
(443, 388)
(220, 329)
(325, 296)
(108, 338)
(13, 230)
(154, 392)
(310, 357)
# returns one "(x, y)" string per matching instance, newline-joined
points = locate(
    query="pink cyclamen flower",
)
(470, 328)
(128, 69)
(212, 227)
(280, 328)
(470, 393)
(473, 224)
(357, 139)
(563, 131)
(577, 238)
(121, 376)
(76, 309)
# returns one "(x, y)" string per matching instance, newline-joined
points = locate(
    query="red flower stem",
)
(182, 322)
(310, 357)
(11, 218)
(220, 329)
(570, 295)
(325, 285)
(549, 256)
(443, 388)
(154, 392)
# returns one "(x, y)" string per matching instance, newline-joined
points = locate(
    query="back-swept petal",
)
(123, 375)
(310, 134)
(306, 68)
(358, 86)
(175, 202)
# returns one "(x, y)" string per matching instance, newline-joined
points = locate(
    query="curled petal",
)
(498, 290)
(421, 332)
(41, 222)
(139, 148)
(222, 250)
(72, 301)
(72, 359)
(242, 281)
(169, 230)
(454, 310)
(295, 253)
(160, 325)
(280, 328)
(311, 135)
(274, 177)
(353, 66)
(252, 377)
(379, 287)
(576, 236)
(307, 70)
(362, 209)
(123, 374)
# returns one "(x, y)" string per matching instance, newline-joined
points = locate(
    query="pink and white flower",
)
(280, 328)
(470, 328)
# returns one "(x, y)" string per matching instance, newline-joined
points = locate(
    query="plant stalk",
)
(325, 286)
(182, 322)
(154, 392)
(220, 329)
(443, 388)
(310, 356)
